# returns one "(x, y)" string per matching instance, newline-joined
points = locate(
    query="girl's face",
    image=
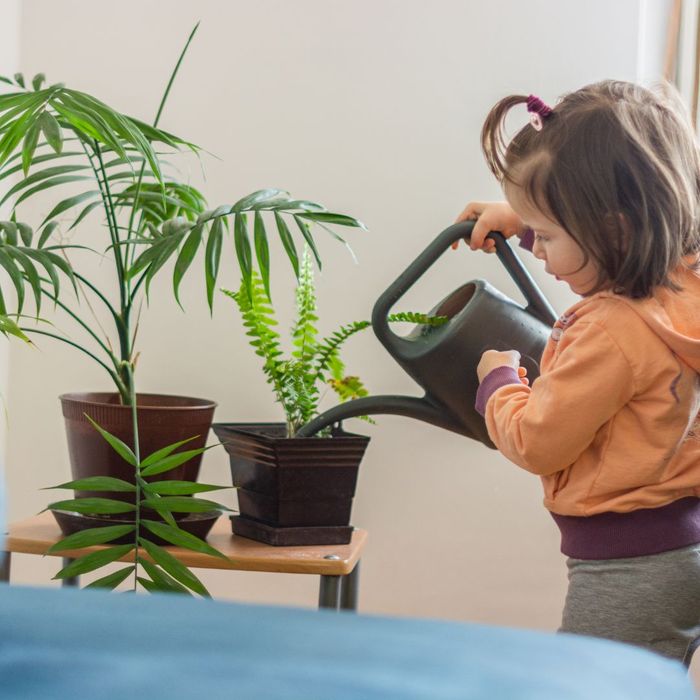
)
(562, 255)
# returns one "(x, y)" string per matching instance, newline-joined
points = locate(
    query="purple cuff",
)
(495, 379)
(527, 240)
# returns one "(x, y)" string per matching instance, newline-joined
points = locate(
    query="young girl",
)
(605, 190)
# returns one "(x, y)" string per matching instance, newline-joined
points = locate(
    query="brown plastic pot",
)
(162, 420)
(292, 491)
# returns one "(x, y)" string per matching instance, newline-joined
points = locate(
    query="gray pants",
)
(651, 601)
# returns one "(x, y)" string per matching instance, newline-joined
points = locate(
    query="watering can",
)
(443, 359)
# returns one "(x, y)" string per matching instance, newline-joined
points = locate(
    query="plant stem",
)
(137, 474)
(114, 229)
(123, 391)
(98, 293)
(77, 318)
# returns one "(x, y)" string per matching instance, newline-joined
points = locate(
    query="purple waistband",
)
(634, 534)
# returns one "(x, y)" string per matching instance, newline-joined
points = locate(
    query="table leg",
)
(72, 581)
(349, 588)
(329, 592)
(5, 566)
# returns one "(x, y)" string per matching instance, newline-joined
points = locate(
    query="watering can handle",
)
(537, 305)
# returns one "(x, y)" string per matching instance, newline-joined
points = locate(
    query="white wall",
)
(373, 108)
(9, 63)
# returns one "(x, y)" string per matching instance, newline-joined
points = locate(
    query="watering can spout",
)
(409, 406)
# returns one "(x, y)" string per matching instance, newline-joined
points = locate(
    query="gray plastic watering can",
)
(443, 359)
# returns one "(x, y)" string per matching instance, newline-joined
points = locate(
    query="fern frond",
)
(418, 318)
(298, 396)
(304, 331)
(330, 345)
(348, 388)
(259, 320)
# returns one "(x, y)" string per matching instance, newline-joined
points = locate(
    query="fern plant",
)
(314, 361)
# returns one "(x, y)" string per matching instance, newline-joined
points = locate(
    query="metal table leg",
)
(72, 581)
(5, 558)
(329, 592)
(349, 589)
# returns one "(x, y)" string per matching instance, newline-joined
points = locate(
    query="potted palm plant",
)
(107, 173)
(297, 491)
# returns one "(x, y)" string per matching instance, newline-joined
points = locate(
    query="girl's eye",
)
(539, 237)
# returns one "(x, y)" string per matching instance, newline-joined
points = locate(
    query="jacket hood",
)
(675, 316)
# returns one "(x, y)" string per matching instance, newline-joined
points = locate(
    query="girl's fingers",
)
(471, 211)
(522, 373)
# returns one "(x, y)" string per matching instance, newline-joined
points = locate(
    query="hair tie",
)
(538, 111)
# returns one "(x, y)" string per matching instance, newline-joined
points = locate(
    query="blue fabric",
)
(69, 644)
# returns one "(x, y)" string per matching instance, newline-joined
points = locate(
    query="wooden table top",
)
(35, 535)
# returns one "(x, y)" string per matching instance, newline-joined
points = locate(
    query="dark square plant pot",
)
(292, 491)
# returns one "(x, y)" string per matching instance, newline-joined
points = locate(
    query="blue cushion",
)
(63, 644)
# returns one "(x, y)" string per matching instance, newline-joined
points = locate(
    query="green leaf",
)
(180, 538)
(9, 327)
(243, 252)
(257, 197)
(97, 506)
(47, 184)
(97, 483)
(94, 560)
(15, 133)
(262, 252)
(37, 80)
(111, 581)
(184, 259)
(52, 131)
(123, 450)
(45, 174)
(182, 488)
(305, 231)
(15, 276)
(164, 452)
(31, 139)
(161, 581)
(66, 204)
(148, 584)
(172, 461)
(330, 218)
(31, 274)
(25, 233)
(84, 213)
(173, 567)
(9, 228)
(46, 233)
(287, 242)
(93, 536)
(182, 504)
(212, 257)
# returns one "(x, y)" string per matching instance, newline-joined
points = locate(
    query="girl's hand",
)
(492, 359)
(489, 216)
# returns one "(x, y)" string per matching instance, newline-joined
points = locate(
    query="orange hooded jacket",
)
(612, 422)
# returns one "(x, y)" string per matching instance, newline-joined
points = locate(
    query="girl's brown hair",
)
(618, 167)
